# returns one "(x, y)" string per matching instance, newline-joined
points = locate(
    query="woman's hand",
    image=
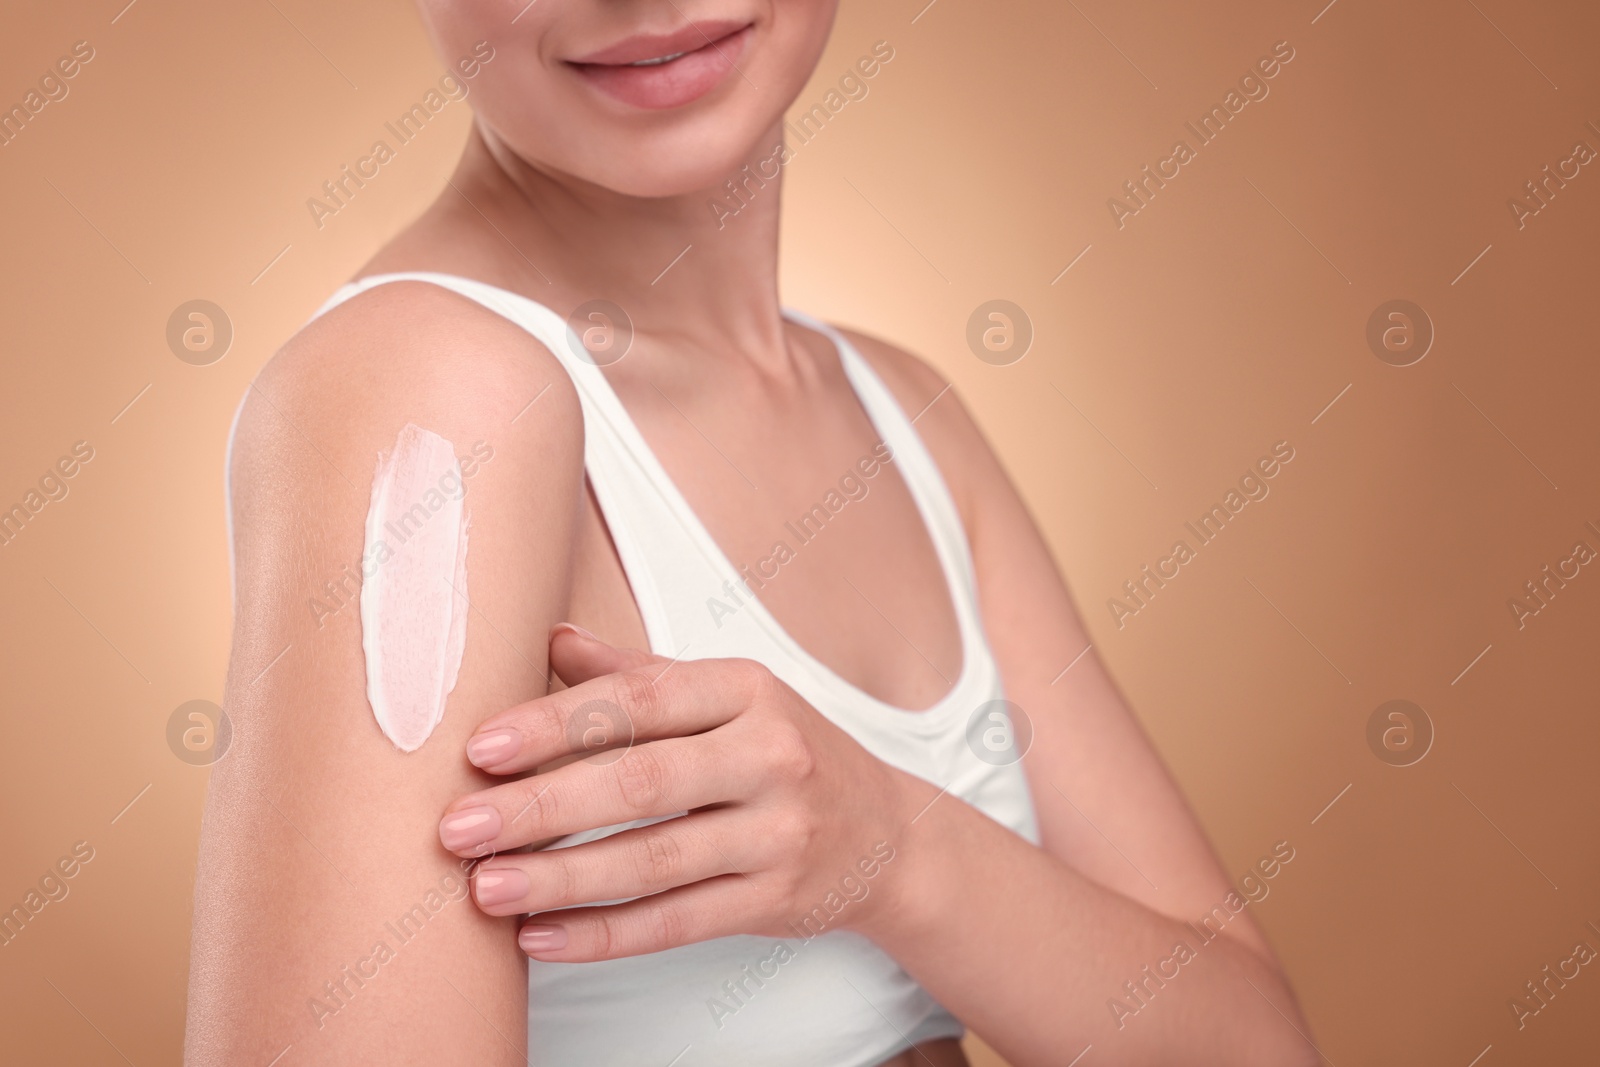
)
(790, 822)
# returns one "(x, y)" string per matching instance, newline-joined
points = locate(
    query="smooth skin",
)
(322, 842)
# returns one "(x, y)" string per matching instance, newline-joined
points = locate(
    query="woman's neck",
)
(698, 268)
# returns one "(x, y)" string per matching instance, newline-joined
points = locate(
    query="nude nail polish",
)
(575, 628)
(468, 827)
(494, 747)
(501, 885)
(536, 939)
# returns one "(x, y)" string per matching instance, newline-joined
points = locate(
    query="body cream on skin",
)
(414, 606)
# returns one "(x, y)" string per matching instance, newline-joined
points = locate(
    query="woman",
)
(847, 798)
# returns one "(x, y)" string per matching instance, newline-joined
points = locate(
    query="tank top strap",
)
(870, 1008)
(539, 320)
(608, 428)
(637, 507)
(639, 498)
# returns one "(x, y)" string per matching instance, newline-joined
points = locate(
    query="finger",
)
(633, 863)
(576, 655)
(660, 778)
(715, 907)
(647, 702)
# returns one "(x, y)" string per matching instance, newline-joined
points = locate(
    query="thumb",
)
(576, 655)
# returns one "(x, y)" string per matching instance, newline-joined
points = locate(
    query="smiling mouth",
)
(659, 71)
(655, 62)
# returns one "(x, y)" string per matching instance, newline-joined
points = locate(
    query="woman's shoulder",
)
(931, 401)
(339, 391)
(414, 351)
(418, 344)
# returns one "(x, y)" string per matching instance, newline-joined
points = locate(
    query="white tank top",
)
(828, 997)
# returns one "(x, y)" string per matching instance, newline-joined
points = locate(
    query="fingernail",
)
(494, 747)
(575, 628)
(499, 886)
(469, 827)
(536, 939)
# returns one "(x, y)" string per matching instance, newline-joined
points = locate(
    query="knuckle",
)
(789, 753)
(658, 859)
(638, 695)
(537, 808)
(665, 924)
(603, 938)
(559, 879)
(779, 892)
(546, 725)
(641, 779)
(784, 897)
(755, 678)
(795, 828)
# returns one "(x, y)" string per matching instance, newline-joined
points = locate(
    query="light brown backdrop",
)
(1227, 315)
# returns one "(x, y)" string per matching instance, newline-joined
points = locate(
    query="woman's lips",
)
(697, 59)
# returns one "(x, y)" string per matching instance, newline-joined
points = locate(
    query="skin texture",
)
(318, 832)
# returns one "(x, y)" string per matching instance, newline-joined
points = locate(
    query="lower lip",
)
(664, 85)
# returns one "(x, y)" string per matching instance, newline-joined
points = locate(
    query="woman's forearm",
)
(1037, 959)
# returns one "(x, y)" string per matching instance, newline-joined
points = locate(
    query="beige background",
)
(1222, 318)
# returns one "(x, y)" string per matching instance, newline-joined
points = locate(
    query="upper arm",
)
(1105, 802)
(327, 914)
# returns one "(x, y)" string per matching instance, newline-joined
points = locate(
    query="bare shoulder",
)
(409, 352)
(312, 425)
(908, 376)
(952, 436)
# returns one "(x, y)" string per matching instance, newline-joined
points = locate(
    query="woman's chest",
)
(840, 564)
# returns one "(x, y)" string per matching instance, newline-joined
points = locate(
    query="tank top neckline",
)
(917, 470)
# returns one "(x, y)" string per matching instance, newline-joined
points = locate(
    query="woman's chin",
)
(666, 186)
(671, 173)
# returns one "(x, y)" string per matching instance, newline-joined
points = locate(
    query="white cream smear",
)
(414, 605)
